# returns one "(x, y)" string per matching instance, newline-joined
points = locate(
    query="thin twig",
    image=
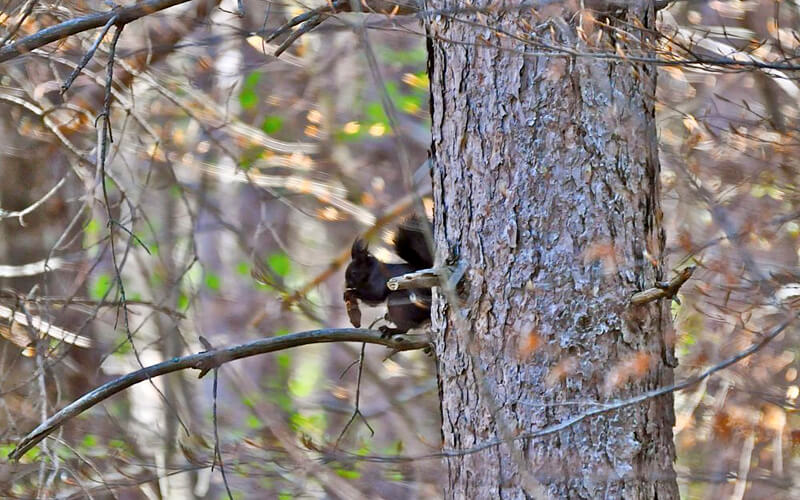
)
(22, 213)
(88, 56)
(217, 447)
(59, 301)
(105, 137)
(302, 18)
(302, 30)
(357, 409)
(26, 11)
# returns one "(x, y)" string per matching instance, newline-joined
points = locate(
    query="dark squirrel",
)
(366, 277)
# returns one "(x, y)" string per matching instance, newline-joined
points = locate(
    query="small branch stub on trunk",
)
(661, 290)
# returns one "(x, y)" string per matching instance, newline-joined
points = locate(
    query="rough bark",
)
(546, 185)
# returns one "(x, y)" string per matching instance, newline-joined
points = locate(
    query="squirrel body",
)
(366, 277)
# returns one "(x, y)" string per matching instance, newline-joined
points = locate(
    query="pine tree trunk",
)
(546, 186)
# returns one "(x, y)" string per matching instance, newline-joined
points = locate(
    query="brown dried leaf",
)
(634, 368)
(529, 343)
(562, 370)
(351, 304)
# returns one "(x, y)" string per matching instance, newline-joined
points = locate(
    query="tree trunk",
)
(546, 186)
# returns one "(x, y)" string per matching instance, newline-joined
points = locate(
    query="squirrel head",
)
(358, 272)
(359, 250)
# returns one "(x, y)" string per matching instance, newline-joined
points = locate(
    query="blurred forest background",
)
(234, 186)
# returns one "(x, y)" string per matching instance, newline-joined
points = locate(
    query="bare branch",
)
(22, 213)
(88, 56)
(208, 360)
(124, 16)
(40, 326)
(309, 20)
(32, 268)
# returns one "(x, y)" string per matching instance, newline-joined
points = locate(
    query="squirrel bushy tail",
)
(411, 244)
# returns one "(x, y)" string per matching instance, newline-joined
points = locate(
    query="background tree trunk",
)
(546, 185)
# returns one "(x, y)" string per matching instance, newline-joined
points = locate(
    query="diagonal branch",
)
(208, 360)
(124, 16)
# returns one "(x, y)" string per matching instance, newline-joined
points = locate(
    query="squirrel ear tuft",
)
(359, 250)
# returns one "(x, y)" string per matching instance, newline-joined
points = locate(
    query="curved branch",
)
(207, 360)
(124, 16)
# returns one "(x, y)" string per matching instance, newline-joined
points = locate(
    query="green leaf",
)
(183, 302)
(248, 99)
(253, 422)
(279, 263)
(393, 475)
(413, 56)
(409, 103)
(91, 236)
(89, 441)
(312, 425)
(92, 227)
(391, 89)
(124, 347)
(376, 113)
(243, 268)
(251, 80)
(117, 444)
(348, 474)
(249, 157)
(342, 136)
(100, 286)
(272, 124)
(212, 281)
(157, 277)
(284, 361)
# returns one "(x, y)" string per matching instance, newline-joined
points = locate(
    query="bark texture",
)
(546, 185)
